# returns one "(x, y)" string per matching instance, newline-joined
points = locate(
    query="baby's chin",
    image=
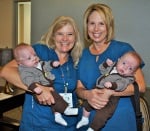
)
(121, 73)
(35, 65)
(125, 74)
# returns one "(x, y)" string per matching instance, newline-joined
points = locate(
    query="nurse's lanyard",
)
(63, 78)
(66, 96)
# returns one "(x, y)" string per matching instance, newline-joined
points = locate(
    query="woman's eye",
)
(101, 23)
(70, 34)
(91, 23)
(59, 34)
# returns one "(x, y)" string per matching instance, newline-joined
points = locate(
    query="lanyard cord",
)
(65, 81)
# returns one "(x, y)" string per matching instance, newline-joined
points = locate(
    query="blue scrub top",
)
(124, 117)
(36, 117)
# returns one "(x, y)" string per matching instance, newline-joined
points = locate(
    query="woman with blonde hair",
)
(99, 33)
(62, 43)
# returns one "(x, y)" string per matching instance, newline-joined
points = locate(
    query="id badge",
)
(68, 98)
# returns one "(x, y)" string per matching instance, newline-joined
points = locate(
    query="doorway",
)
(24, 22)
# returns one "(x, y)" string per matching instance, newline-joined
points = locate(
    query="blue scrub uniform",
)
(124, 117)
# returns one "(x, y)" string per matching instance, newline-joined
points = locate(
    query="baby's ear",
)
(19, 64)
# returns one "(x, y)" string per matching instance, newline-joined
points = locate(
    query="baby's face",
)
(127, 65)
(29, 58)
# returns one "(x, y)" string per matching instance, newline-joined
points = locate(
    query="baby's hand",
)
(56, 63)
(37, 90)
(108, 84)
(109, 62)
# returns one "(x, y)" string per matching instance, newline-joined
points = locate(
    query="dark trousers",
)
(103, 114)
(60, 104)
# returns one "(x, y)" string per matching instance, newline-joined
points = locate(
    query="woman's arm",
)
(11, 74)
(139, 77)
(98, 98)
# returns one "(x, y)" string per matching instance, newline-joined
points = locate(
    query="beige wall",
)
(6, 23)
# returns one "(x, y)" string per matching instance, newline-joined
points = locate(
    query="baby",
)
(33, 71)
(116, 76)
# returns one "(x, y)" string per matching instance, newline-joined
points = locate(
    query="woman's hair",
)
(48, 38)
(106, 13)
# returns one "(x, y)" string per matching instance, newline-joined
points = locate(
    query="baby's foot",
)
(59, 119)
(71, 111)
(84, 121)
(90, 129)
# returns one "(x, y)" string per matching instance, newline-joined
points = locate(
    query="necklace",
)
(65, 79)
(95, 52)
(98, 51)
(97, 58)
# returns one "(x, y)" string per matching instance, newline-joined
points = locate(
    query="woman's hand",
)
(98, 98)
(45, 97)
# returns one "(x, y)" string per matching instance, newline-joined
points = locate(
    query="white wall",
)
(24, 22)
(131, 19)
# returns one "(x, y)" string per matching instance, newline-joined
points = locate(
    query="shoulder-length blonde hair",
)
(48, 38)
(106, 14)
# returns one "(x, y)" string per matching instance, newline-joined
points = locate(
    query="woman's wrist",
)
(82, 93)
(35, 89)
(85, 94)
(109, 92)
